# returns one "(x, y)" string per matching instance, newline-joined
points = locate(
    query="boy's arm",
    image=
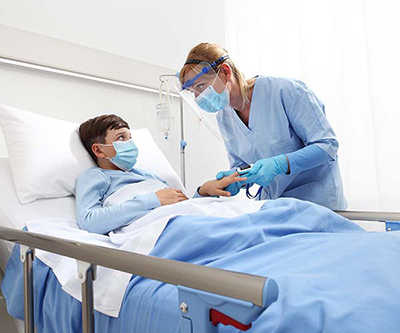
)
(93, 217)
(218, 187)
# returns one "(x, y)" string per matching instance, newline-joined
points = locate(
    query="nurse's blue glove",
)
(223, 174)
(264, 171)
(233, 188)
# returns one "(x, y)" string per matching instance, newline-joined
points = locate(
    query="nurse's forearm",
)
(307, 158)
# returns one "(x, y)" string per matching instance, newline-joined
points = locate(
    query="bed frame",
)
(241, 298)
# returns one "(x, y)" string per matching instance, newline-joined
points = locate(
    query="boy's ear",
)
(97, 150)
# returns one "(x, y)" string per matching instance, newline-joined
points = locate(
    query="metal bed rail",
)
(240, 286)
(369, 216)
(391, 219)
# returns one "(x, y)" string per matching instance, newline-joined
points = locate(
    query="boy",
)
(108, 140)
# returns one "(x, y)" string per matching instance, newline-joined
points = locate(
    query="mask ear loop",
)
(106, 145)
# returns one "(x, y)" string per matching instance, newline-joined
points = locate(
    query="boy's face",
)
(101, 151)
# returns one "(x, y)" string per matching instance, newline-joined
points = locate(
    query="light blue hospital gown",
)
(95, 185)
(286, 116)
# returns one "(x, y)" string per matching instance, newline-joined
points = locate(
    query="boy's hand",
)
(170, 196)
(216, 187)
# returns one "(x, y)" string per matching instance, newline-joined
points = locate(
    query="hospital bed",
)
(243, 296)
(257, 290)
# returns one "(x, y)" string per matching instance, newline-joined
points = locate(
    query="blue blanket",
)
(332, 275)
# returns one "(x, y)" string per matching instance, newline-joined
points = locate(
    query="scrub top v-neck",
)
(284, 117)
(249, 128)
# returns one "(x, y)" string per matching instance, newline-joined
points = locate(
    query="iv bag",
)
(164, 120)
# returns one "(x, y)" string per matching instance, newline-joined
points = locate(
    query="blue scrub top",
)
(286, 116)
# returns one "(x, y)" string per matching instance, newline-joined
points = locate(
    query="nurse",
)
(276, 124)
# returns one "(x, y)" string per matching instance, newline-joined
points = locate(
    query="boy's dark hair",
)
(95, 130)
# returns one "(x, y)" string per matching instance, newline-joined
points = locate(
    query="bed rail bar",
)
(369, 216)
(27, 255)
(243, 295)
(240, 286)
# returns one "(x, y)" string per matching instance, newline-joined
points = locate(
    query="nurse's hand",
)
(223, 174)
(233, 188)
(264, 171)
(219, 187)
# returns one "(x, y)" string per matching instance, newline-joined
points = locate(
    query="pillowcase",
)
(46, 154)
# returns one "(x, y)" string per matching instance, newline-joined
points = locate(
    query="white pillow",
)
(46, 154)
(152, 159)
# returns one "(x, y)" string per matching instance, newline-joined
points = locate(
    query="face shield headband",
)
(203, 71)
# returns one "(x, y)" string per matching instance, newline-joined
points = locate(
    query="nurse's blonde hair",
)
(209, 52)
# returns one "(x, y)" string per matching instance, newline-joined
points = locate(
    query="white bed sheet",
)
(15, 215)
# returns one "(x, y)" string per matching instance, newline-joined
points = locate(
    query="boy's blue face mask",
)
(209, 100)
(126, 154)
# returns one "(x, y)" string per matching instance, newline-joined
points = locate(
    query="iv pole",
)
(183, 143)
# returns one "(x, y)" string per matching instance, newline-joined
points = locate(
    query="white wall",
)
(154, 31)
(77, 100)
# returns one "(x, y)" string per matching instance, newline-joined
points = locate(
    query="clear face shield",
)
(207, 94)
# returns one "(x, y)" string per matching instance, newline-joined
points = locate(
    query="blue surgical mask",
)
(209, 100)
(126, 154)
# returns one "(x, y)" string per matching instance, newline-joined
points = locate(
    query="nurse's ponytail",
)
(210, 52)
